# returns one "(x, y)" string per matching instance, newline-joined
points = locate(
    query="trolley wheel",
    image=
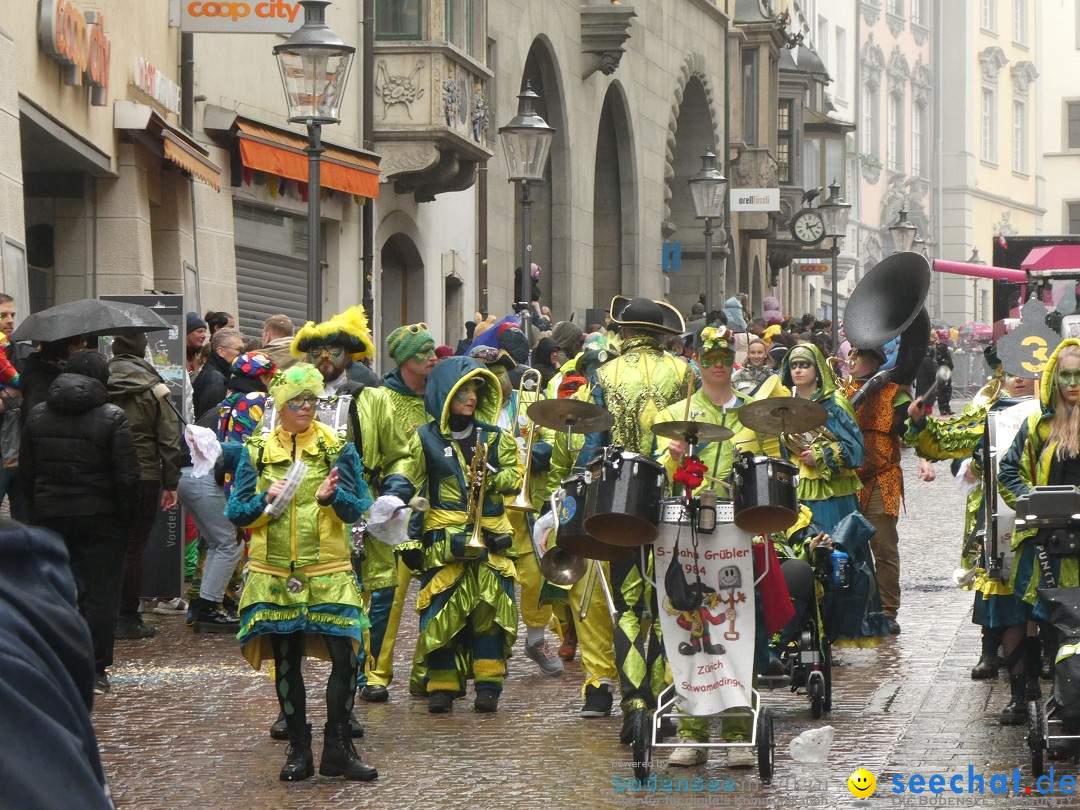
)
(816, 689)
(641, 744)
(1036, 737)
(826, 671)
(766, 746)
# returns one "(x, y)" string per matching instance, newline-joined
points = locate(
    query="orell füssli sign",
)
(77, 40)
(240, 17)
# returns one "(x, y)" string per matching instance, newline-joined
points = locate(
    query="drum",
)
(622, 504)
(572, 536)
(763, 490)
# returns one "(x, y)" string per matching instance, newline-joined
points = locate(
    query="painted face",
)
(1068, 380)
(756, 354)
(421, 365)
(298, 412)
(464, 400)
(803, 372)
(329, 360)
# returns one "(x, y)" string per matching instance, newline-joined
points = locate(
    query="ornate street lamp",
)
(902, 233)
(526, 143)
(707, 190)
(314, 64)
(835, 212)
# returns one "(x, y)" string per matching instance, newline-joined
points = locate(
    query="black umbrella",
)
(91, 317)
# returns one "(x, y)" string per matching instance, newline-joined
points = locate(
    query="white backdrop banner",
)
(711, 649)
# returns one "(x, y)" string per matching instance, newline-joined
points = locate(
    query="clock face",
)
(808, 227)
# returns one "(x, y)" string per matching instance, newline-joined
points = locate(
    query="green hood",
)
(449, 375)
(1046, 384)
(825, 379)
(130, 375)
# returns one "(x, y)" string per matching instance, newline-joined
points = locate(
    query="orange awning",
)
(198, 166)
(282, 153)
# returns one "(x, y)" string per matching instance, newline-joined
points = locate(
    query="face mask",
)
(1067, 378)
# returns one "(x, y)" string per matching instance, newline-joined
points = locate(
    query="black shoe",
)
(714, 649)
(101, 683)
(1015, 711)
(687, 649)
(212, 619)
(339, 757)
(299, 764)
(279, 731)
(626, 733)
(356, 730)
(133, 629)
(1031, 690)
(598, 700)
(487, 701)
(892, 625)
(986, 668)
(440, 702)
(373, 693)
(1047, 671)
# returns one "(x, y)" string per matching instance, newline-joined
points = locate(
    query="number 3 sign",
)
(1025, 351)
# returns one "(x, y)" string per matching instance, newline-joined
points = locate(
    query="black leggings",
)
(289, 679)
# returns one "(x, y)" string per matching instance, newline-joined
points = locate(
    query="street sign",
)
(1025, 351)
(754, 199)
(812, 268)
(672, 257)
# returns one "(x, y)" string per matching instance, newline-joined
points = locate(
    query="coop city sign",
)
(255, 17)
(77, 40)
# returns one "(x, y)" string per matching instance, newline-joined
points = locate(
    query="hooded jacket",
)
(211, 384)
(77, 456)
(735, 316)
(436, 461)
(155, 426)
(837, 457)
(771, 311)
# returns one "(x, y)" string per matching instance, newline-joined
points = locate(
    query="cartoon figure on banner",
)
(731, 581)
(698, 621)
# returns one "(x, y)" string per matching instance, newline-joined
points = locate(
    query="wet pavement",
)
(185, 725)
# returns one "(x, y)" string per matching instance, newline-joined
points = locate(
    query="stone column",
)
(12, 218)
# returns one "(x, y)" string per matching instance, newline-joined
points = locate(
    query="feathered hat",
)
(348, 329)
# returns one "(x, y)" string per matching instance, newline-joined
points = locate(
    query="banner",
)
(711, 649)
(163, 558)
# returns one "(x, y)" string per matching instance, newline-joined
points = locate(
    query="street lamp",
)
(526, 142)
(835, 212)
(903, 233)
(707, 190)
(975, 259)
(314, 64)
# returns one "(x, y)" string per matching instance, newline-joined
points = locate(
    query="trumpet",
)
(847, 385)
(474, 504)
(522, 502)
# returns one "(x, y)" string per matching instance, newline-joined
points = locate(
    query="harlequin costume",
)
(881, 418)
(829, 486)
(300, 595)
(635, 387)
(468, 618)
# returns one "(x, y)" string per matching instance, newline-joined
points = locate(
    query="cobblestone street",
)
(185, 725)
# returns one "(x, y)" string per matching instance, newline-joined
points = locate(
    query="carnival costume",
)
(385, 577)
(635, 387)
(829, 486)
(300, 595)
(466, 604)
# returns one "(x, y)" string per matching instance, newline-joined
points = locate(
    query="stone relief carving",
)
(873, 62)
(1023, 74)
(871, 10)
(399, 89)
(480, 113)
(899, 71)
(992, 60)
(896, 23)
(922, 81)
(870, 167)
(399, 157)
(893, 200)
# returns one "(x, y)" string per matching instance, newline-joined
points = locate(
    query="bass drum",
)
(763, 490)
(622, 505)
(571, 535)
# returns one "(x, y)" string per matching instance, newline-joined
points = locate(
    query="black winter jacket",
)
(211, 384)
(77, 456)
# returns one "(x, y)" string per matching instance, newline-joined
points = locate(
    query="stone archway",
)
(401, 288)
(614, 203)
(691, 130)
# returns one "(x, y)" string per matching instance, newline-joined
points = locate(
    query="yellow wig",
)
(348, 329)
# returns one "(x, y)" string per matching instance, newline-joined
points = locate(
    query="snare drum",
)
(622, 506)
(763, 491)
(571, 534)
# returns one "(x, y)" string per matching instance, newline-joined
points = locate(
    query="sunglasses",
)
(801, 364)
(417, 328)
(1068, 378)
(304, 400)
(333, 352)
(717, 358)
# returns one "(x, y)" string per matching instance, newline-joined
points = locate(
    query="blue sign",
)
(672, 256)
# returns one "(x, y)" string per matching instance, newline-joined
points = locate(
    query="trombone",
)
(522, 502)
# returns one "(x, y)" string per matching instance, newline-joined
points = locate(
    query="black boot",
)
(1015, 712)
(299, 764)
(339, 758)
(989, 663)
(279, 730)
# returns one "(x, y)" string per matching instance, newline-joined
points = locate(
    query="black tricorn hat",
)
(645, 313)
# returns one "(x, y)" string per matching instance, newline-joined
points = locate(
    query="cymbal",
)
(692, 432)
(566, 414)
(783, 415)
